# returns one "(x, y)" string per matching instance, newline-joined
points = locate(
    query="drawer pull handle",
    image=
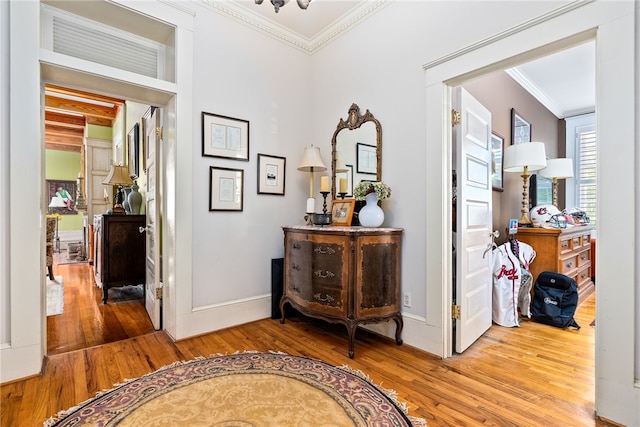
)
(325, 251)
(297, 246)
(296, 267)
(326, 274)
(576, 241)
(565, 244)
(326, 298)
(583, 257)
(295, 288)
(569, 265)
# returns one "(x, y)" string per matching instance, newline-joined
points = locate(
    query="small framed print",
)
(133, 145)
(366, 160)
(520, 128)
(342, 211)
(225, 189)
(225, 137)
(271, 174)
(497, 153)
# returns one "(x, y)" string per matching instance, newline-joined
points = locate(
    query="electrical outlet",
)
(406, 300)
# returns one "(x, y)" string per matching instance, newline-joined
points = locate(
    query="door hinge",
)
(159, 132)
(456, 118)
(158, 293)
(455, 312)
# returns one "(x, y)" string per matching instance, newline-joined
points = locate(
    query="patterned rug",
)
(242, 390)
(55, 296)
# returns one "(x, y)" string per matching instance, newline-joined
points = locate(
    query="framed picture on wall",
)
(271, 174)
(497, 153)
(225, 137)
(225, 189)
(520, 128)
(366, 160)
(65, 190)
(133, 144)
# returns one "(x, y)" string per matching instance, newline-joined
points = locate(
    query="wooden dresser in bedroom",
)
(347, 275)
(566, 251)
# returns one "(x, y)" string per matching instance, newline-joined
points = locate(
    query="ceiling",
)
(68, 111)
(563, 82)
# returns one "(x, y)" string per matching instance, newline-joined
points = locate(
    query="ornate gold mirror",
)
(356, 152)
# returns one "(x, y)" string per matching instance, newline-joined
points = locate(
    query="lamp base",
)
(118, 210)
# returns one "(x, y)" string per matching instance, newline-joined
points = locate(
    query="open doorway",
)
(77, 317)
(501, 94)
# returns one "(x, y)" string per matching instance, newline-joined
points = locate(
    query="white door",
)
(473, 285)
(152, 141)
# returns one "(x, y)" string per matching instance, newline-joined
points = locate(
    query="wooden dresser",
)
(566, 251)
(119, 251)
(347, 275)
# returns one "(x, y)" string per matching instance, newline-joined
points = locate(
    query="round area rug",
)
(242, 390)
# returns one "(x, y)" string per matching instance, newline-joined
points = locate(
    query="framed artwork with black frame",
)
(225, 137)
(366, 159)
(133, 149)
(67, 190)
(520, 128)
(497, 154)
(271, 174)
(225, 189)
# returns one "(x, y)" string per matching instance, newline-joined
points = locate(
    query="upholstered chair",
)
(51, 232)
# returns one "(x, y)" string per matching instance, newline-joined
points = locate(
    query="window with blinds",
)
(586, 171)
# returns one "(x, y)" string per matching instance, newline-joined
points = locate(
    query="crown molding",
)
(279, 32)
(524, 81)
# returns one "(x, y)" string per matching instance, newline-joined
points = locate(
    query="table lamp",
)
(311, 162)
(118, 176)
(525, 157)
(557, 169)
(57, 202)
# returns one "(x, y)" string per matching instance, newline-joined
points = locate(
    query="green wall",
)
(63, 166)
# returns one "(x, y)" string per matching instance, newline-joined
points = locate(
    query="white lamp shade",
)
(57, 202)
(340, 166)
(118, 175)
(311, 161)
(529, 154)
(558, 168)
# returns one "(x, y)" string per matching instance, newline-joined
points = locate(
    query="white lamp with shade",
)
(557, 169)
(525, 158)
(57, 202)
(311, 162)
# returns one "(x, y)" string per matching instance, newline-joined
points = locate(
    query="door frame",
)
(613, 28)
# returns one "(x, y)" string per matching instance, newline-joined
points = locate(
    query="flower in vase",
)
(382, 190)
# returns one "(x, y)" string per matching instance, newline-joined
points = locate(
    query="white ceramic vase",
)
(371, 215)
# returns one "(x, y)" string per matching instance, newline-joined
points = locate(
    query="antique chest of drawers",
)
(347, 275)
(566, 251)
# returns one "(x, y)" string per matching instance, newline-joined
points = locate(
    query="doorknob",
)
(142, 229)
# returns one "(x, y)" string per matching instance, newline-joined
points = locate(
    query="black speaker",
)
(277, 284)
(277, 265)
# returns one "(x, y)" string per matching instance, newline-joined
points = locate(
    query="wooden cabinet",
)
(347, 275)
(119, 251)
(566, 251)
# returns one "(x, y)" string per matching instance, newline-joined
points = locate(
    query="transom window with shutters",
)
(582, 140)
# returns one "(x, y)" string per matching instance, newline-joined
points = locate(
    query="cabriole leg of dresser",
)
(399, 324)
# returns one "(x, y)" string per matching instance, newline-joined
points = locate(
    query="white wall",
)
(5, 316)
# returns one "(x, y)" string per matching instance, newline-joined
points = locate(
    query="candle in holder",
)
(343, 185)
(324, 184)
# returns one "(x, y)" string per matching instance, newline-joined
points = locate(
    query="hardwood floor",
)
(534, 375)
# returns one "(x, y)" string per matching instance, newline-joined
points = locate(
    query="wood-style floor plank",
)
(534, 375)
